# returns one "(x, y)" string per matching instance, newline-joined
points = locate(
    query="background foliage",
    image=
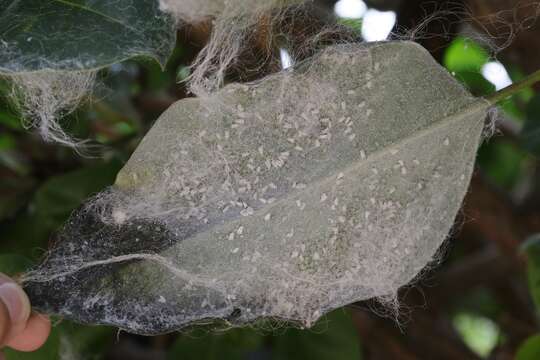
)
(482, 302)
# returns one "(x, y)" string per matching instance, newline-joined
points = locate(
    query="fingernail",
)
(16, 302)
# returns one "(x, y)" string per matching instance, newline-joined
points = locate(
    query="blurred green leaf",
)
(60, 195)
(531, 247)
(514, 107)
(12, 264)
(52, 204)
(13, 160)
(355, 24)
(475, 82)
(15, 191)
(530, 134)
(529, 349)
(25, 235)
(333, 338)
(479, 333)
(481, 300)
(7, 142)
(517, 75)
(230, 345)
(502, 162)
(465, 55)
(9, 119)
(464, 58)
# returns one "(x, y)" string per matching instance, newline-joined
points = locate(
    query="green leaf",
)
(503, 162)
(465, 55)
(230, 345)
(532, 249)
(479, 333)
(15, 191)
(354, 24)
(475, 82)
(530, 134)
(333, 338)
(60, 195)
(80, 34)
(52, 204)
(7, 142)
(12, 264)
(9, 120)
(529, 349)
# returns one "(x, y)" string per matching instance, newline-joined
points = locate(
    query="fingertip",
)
(15, 300)
(5, 323)
(34, 335)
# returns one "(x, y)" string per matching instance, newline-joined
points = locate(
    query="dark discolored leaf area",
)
(80, 34)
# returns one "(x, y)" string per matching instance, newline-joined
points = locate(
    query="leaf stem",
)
(514, 88)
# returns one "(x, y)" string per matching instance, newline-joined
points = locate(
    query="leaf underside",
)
(286, 198)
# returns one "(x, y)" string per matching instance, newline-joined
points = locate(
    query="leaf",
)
(286, 198)
(530, 134)
(479, 333)
(50, 51)
(13, 264)
(15, 190)
(52, 204)
(465, 55)
(502, 162)
(230, 345)
(529, 349)
(9, 120)
(531, 247)
(333, 338)
(80, 34)
(60, 195)
(475, 82)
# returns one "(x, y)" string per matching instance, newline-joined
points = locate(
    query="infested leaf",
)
(286, 198)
